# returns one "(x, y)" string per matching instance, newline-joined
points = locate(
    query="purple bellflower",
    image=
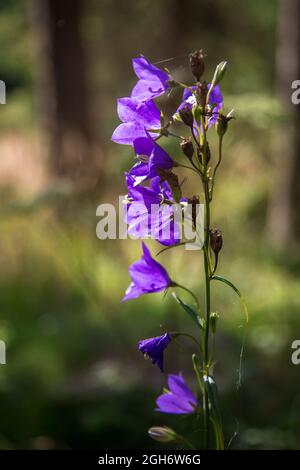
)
(146, 216)
(215, 99)
(179, 399)
(137, 119)
(152, 81)
(154, 158)
(147, 276)
(141, 201)
(154, 348)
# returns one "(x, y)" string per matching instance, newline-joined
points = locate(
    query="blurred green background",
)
(74, 377)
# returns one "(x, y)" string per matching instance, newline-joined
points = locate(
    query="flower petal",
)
(170, 403)
(178, 386)
(144, 70)
(153, 81)
(127, 132)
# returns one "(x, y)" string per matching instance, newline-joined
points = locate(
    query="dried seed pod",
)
(197, 63)
(186, 115)
(187, 148)
(216, 240)
(201, 93)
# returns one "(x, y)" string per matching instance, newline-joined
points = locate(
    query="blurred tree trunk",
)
(283, 223)
(65, 96)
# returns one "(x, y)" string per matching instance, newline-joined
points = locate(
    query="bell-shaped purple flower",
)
(179, 399)
(147, 217)
(152, 81)
(147, 276)
(154, 158)
(215, 99)
(154, 348)
(138, 118)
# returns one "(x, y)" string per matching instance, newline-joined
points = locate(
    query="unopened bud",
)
(201, 93)
(219, 73)
(194, 202)
(216, 241)
(197, 63)
(222, 125)
(214, 316)
(187, 148)
(162, 434)
(186, 115)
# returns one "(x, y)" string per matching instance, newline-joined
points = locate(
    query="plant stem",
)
(216, 167)
(205, 183)
(175, 334)
(206, 271)
(207, 307)
(195, 169)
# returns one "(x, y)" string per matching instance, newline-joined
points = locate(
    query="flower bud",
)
(162, 434)
(219, 73)
(186, 115)
(216, 240)
(187, 148)
(201, 93)
(214, 316)
(222, 125)
(194, 202)
(197, 63)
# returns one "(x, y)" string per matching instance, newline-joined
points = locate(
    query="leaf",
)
(225, 281)
(216, 419)
(194, 315)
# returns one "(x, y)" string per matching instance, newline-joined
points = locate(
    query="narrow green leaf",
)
(242, 300)
(216, 419)
(193, 314)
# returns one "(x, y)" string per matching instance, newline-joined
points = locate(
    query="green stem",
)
(175, 334)
(197, 370)
(207, 309)
(205, 182)
(216, 167)
(195, 169)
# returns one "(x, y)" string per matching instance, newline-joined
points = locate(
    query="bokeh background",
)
(74, 377)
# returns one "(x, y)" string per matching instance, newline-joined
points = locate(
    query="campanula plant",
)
(153, 203)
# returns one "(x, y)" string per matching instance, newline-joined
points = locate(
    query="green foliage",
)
(190, 311)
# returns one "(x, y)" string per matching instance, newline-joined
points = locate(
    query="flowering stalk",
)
(152, 183)
(207, 284)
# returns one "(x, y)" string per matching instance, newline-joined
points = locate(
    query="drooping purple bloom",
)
(137, 120)
(154, 348)
(152, 81)
(179, 399)
(141, 201)
(154, 158)
(215, 99)
(148, 276)
(147, 217)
